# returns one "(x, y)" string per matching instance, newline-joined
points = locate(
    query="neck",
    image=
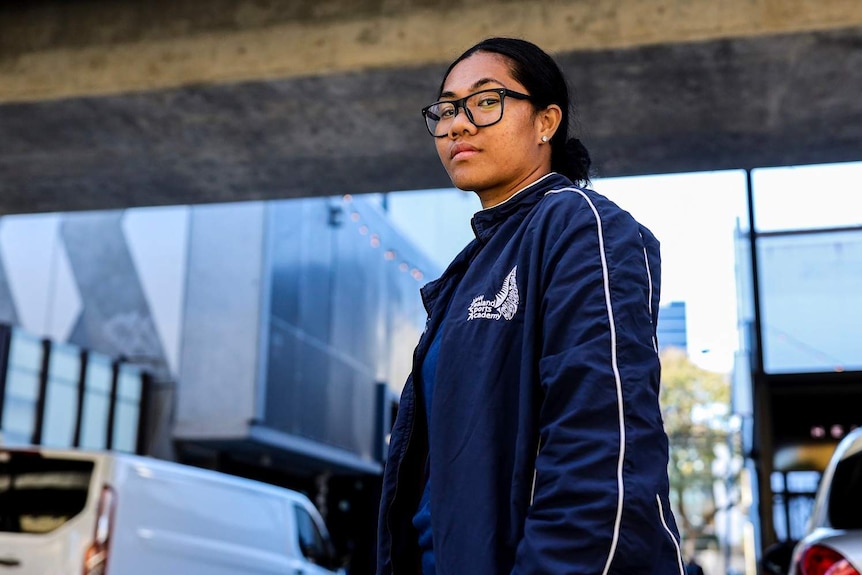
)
(493, 198)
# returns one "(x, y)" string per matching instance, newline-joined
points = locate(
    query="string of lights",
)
(389, 254)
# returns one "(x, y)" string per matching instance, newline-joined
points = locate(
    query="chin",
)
(467, 180)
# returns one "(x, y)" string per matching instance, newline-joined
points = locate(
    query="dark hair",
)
(543, 79)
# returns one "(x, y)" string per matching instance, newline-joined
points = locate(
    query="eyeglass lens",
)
(483, 109)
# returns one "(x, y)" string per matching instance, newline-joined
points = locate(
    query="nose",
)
(461, 122)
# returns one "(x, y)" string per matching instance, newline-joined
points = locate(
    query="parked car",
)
(102, 513)
(832, 542)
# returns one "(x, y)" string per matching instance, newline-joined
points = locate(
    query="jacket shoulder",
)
(573, 206)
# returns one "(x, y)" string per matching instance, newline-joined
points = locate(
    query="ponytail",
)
(570, 158)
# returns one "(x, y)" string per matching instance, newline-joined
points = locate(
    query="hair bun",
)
(579, 161)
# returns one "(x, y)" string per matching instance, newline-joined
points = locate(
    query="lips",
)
(460, 151)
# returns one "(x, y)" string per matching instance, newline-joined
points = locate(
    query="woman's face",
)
(494, 161)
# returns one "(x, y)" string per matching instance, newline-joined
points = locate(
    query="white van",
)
(70, 512)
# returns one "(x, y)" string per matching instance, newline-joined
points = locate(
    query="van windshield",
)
(38, 494)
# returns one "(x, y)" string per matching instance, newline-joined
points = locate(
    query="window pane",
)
(127, 408)
(310, 540)
(25, 351)
(22, 384)
(803, 481)
(126, 426)
(65, 363)
(25, 363)
(61, 396)
(61, 402)
(19, 419)
(129, 384)
(811, 294)
(94, 422)
(807, 197)
(22, 388)
(779, 517)
(800, 511)
(777, 482)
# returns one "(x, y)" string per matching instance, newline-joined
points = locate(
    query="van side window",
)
(311, 542)
(39, 494)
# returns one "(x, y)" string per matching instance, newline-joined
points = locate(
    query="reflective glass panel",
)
(808, 197)
(94, 422)
(19, 419)
(61, 396)
(22, 388)
(811, 298)
(127, 409)
(25, 351)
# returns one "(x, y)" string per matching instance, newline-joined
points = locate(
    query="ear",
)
(548, 121)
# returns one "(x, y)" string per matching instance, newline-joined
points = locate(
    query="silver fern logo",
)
(504, 305)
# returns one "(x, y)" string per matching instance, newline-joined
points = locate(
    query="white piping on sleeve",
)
(649, 301)
(670, 534)
(617, 378)
(535, 474)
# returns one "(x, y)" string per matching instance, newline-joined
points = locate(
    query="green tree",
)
(695, 404)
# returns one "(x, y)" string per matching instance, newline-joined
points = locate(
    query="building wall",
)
(220, 345)
(103, 280)
(343, 314)
(672, 326)
(283, 314)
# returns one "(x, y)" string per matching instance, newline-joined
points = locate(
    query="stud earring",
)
(544, 139)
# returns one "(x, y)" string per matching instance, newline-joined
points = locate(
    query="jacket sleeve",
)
(600, 481)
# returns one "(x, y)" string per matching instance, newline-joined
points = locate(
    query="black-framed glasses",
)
(483, 108)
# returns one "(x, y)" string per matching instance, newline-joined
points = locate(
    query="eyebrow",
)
(476, 85)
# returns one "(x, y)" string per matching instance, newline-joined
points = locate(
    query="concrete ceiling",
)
(711, 104)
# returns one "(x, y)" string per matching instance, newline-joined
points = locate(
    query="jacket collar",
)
(486, 222)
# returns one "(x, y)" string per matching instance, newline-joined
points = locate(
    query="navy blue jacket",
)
(546, 444)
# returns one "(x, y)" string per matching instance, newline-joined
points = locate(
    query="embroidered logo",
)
(504, 305)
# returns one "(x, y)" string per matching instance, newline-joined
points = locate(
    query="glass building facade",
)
(671, 326)
(798, 378)
(58, 395)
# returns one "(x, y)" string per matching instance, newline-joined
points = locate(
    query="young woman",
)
(529, 437)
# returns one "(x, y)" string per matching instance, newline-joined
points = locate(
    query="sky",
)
(694, 216)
